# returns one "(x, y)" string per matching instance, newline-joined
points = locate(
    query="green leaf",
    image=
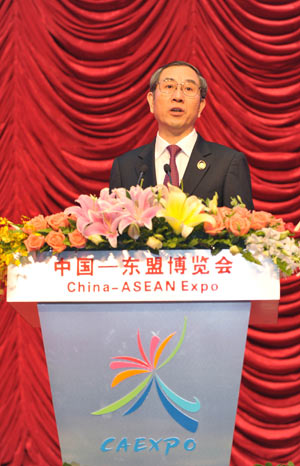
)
(45, 248)
(193, 243)
(260, 233)
(45, 231)
(66, 230)
(71, 464)
(72, 222)
(283, 266)
(267, 464)
(249, 257)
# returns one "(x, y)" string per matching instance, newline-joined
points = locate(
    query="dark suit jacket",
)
(225, 172)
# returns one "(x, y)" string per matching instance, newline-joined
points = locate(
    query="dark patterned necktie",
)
(173, 150)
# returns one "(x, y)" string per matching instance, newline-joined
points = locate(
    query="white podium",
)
(144, 351)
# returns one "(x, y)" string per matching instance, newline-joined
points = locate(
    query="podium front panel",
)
(176, 407)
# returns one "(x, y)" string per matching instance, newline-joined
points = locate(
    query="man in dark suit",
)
(179, 154)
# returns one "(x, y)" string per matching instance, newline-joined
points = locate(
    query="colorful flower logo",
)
(134, 366)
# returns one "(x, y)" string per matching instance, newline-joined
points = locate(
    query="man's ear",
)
(150, 98)
(202, 107)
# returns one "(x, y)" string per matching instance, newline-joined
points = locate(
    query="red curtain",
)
(74, 77)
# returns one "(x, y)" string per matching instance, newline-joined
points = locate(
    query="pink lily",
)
(139, 209)
(87, 204)
(105, 224)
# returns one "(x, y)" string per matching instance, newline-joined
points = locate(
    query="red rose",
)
(223, 211)
(214, 229)
(77, 240)
(36, 223)
(278, 224)
(55, 239)
(57, 221)
(260, 220)
(34, 242)
(241, 211)
(237, 224)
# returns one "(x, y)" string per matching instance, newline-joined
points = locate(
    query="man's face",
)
(176, 113)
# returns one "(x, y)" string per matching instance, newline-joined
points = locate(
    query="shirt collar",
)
(186, 144)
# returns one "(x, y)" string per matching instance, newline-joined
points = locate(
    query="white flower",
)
(282, 249)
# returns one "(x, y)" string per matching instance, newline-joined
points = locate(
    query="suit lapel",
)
(197, 167)
(194, 172)
(146, 157)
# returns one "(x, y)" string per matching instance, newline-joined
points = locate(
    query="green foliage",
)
(71, 464)
(249, 257)
(290, 463)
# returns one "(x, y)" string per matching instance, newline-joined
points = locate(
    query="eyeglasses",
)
(169, 85)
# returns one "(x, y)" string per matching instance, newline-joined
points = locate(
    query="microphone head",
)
(167, 168)
(144, 169)
(142, 172)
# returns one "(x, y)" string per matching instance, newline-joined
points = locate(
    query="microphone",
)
(142, 172)
(167, 169)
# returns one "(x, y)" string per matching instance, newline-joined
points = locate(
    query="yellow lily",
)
(213, 204)
(183, 213)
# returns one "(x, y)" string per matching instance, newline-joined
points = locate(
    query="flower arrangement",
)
(153, 218)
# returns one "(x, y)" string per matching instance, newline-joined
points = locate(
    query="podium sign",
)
(145, 377)
(136, 276)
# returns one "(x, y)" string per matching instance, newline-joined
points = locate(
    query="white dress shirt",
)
(162, 155)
